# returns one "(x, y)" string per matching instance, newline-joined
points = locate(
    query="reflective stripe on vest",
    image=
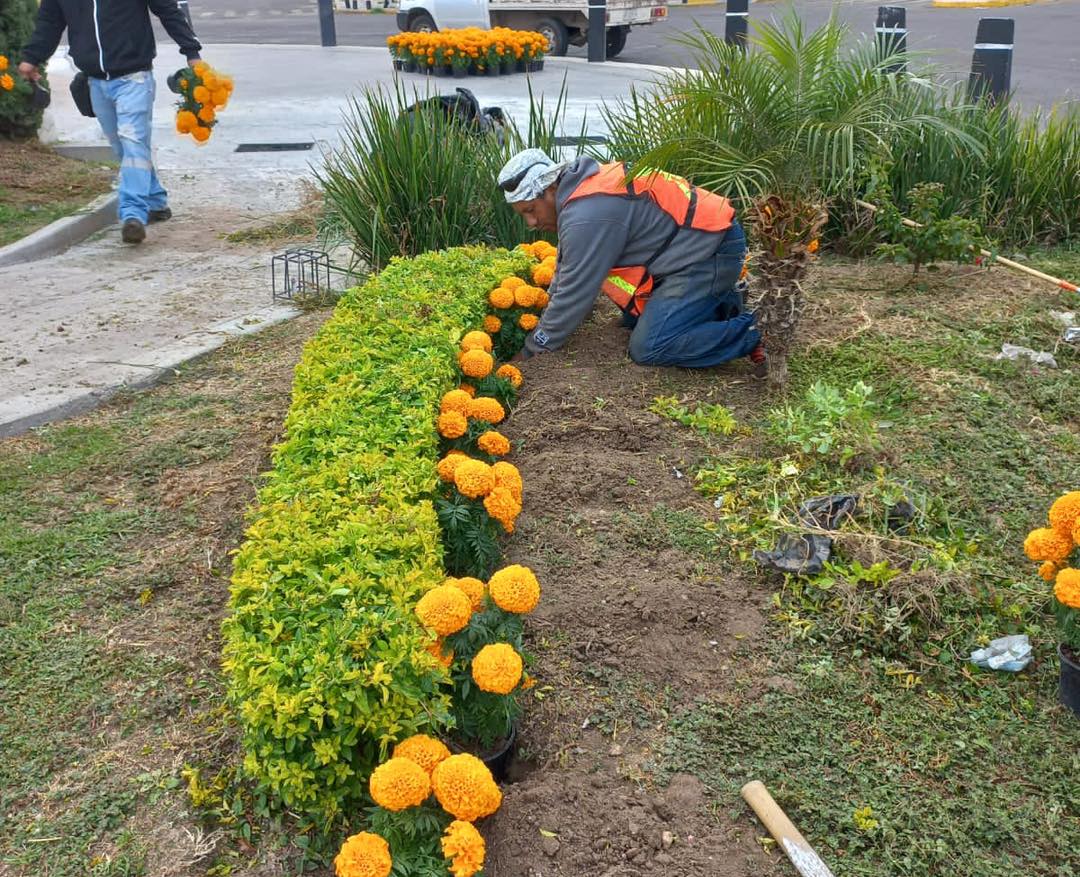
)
(688, 206)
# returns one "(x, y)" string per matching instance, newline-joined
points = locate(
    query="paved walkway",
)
(104, 315)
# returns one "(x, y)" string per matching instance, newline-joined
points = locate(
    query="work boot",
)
(160, 215)
(132, 232)
(760, 360)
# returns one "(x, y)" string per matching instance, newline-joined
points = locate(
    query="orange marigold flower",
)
(220, 97)
(474, 478)
(3, 63)
(525, 296)
(201, 94)
(510, 373)
(468, 389)
(477, 363)
(455, 400)
(487, 409)
(497, 668)
(512, 282)
(1065, 514)
(398, 784)
(463, 848)
(529, 682)
(1066, 588)
(206, 114)
(440, 653)
(465, 788)
(363, 855)
(422, 750)
(444, 609)
(6, 82)
(452, 425)
(492, 324)
(508, 476)
(501, 298)
(476, 341)
(528, 321)
(472, 588)
(200, 133)
(542, 299)
(494, 443)
(515, 589)
(503, 507)
(812, 247)
(186, 121)
(1048, 570)
(1047, 544)
(542, 275)
(448, 464)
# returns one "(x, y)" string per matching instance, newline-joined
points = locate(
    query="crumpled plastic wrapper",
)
(1009, 653)
(1014, 352)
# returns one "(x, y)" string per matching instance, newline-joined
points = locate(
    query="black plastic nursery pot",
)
(498, 759)
(1069, 684)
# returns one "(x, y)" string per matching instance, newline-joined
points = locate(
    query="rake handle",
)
(807, 862)
(1008, 263)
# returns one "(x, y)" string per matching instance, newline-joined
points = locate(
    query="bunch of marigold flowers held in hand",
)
(204, 92)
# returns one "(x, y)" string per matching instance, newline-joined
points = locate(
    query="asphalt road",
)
(1046, 64)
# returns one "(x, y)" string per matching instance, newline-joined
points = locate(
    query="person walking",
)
(112, 44)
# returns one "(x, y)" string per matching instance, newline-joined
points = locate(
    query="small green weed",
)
(706, 419)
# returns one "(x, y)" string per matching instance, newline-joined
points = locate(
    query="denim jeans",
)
(124, 107)
(696, 317)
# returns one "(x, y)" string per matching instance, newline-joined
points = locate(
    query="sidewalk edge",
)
(66, 232)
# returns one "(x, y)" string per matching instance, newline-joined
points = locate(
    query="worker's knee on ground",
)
(641, 351)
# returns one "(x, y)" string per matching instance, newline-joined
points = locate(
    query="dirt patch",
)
(38, 186)
(638, 615)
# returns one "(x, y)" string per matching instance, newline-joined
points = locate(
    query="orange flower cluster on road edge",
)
(468, 48)
(204, 92)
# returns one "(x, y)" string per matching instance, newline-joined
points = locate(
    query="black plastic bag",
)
(806, 554)
(80, 93)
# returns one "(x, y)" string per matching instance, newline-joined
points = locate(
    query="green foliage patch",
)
(327, 663)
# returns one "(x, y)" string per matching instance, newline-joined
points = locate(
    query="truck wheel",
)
(616, 39)
(557, 36)
(421, 22)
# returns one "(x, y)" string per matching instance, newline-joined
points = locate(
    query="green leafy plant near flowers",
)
(327, 664)
(938, 235)
(18, 118)
(827, 421)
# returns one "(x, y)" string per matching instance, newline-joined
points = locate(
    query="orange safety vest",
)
(688, 206)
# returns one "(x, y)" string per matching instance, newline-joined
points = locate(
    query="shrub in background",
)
(18, 119)
(327, 664)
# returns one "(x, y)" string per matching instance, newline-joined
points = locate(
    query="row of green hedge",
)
(327, 665)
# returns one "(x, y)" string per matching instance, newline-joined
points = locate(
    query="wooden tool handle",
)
(802, 855)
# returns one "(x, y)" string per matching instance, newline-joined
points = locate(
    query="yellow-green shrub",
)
(326, 661)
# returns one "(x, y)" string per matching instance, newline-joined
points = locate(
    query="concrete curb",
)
(22, 413)
(58, 236)
(978, 4)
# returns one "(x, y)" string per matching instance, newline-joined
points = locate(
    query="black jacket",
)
(108, 38)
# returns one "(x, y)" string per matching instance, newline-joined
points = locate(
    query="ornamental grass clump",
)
(1057, 548)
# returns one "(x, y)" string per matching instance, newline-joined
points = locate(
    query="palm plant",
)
(783, 129)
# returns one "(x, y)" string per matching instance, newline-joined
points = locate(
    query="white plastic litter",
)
(1014, 352)
(1066, 318)
(1072, 335)
(1009, 653)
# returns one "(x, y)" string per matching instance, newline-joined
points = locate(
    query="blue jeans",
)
(696, 317)
(124, 107)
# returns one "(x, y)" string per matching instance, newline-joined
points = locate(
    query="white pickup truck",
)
(565, 23)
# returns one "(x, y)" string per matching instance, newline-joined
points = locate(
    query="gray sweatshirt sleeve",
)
(588, 250)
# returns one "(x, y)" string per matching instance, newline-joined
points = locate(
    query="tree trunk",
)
(778, 371)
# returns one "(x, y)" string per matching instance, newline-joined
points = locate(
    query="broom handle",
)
(1008, 263)
(802, 855)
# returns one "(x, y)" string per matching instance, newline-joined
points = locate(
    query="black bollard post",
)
(598, 30)
(327, 30)
(183, 4)
(991, 63)
(891, 33)
(735, 22)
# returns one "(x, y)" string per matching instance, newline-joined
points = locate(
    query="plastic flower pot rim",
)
(1069, 682)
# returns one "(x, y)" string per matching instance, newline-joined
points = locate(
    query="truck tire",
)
(421, 22)
(616, 39)
(557, 36)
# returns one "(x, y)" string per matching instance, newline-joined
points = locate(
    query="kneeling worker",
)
(667, 253)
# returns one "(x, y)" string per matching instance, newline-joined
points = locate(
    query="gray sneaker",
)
(132, 232)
